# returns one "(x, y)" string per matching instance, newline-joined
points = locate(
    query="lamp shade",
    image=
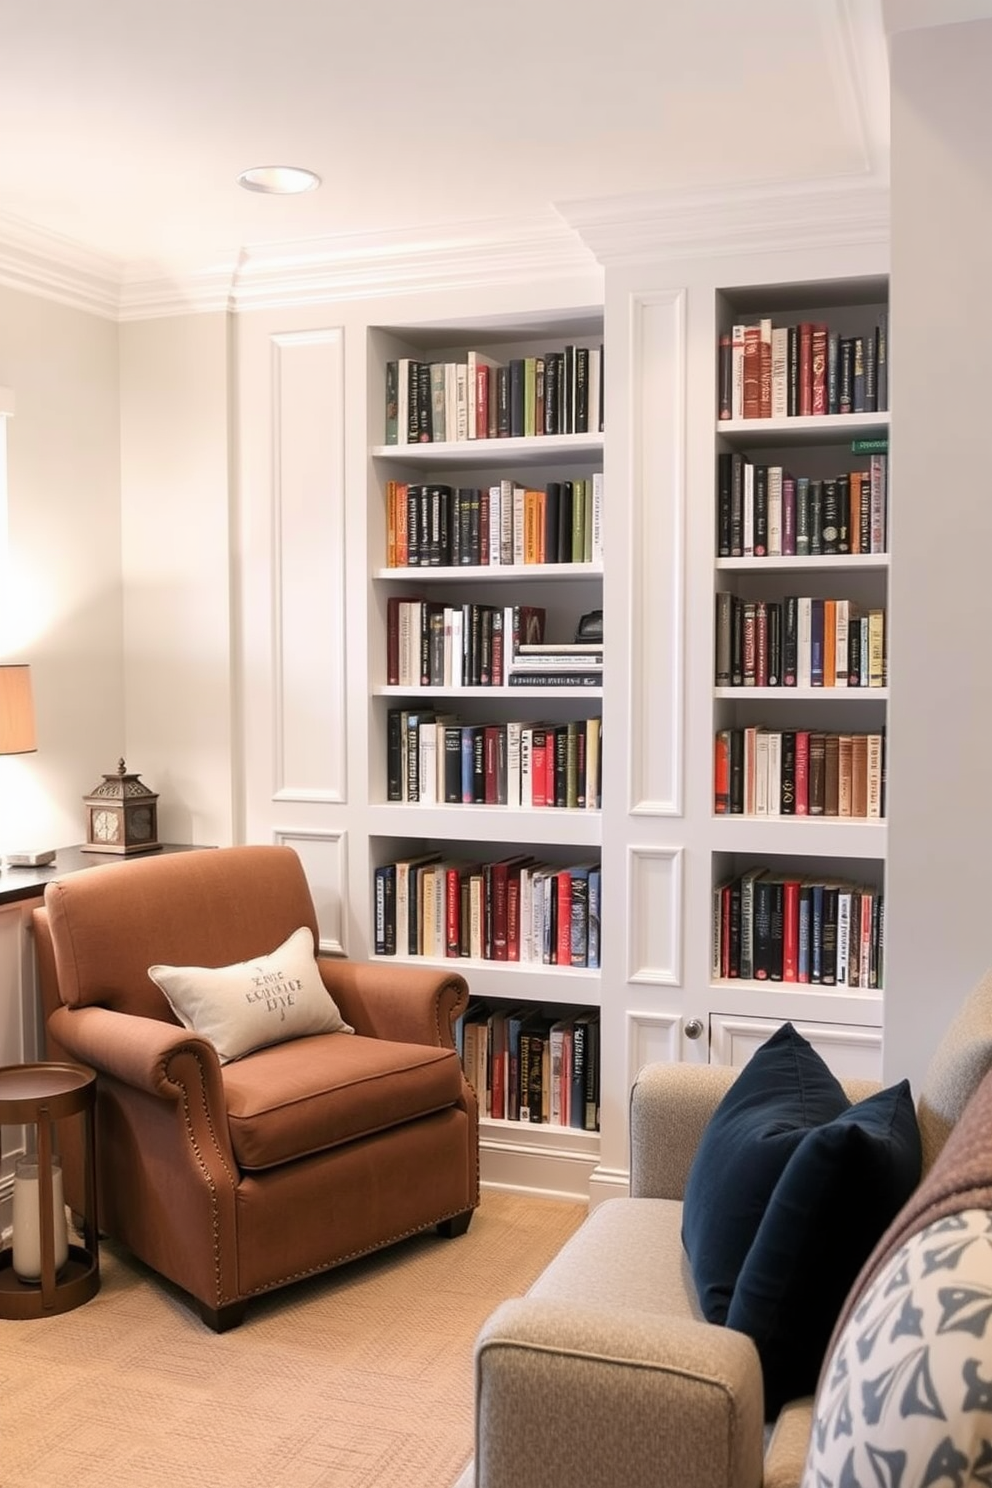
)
(16, 711)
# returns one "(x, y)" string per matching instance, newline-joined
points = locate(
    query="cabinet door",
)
(851, 1052)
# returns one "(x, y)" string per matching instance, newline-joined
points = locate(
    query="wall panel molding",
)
(657, 619)
(654, 919)
(309, 646)
(324, 856)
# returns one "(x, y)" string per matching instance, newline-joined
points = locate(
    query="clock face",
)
(140, 824)
(106, 827)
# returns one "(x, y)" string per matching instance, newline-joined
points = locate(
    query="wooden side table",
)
(41, 1095)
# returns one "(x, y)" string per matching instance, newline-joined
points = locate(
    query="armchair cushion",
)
(294, 1099)
(839, 1191)
(784, 1091)
(251, 1004)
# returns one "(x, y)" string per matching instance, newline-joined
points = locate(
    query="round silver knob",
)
(694, 1028)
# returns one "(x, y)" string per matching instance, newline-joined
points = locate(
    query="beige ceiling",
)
(125, 122)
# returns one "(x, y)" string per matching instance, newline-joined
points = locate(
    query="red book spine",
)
(499, 881)
(752, 372)
(790, 930)
(539, 768)
(491, 746)
(802, 772)
(513, 917)
(481, 401)
(453, 912)
(805, 368)
(563, 887)
(818, 359)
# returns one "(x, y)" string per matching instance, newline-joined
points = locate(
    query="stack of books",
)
(556, 664)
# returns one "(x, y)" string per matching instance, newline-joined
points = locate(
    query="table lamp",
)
(16, 710)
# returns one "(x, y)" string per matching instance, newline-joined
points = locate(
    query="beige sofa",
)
(604, 1373)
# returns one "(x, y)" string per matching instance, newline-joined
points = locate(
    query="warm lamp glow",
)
(16, 711)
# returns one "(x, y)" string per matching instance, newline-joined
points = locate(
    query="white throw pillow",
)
(906, 1397)
(243, 1007)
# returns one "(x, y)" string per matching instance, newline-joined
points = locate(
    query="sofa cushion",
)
(290, 1100)
(783, 1091)
(905, 1396)
(838, 1192)
(266, 1000)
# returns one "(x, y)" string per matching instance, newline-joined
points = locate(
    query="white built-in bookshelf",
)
(409, 816)
(797, 832)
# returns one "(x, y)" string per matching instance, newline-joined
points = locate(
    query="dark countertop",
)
(29, 883)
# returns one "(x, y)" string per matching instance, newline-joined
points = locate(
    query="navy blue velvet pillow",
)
(783, 1091)
(841, 1188)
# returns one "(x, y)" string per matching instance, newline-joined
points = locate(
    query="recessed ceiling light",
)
(279, 180)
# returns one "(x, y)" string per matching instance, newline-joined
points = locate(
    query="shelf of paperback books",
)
(533, 1065)
(519, 923)
(798, 924)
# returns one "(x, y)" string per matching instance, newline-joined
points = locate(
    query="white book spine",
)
(761, 763)
(805, 635)
(774, 511)
(843, 935)
(780, 372)
(597, 517)
(842, 611)
(774, 774)
(513, 734)
(495, 525)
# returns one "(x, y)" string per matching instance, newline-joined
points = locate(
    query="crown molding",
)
(360, 266)
(581, 239)
(58, 268)
(762, 217)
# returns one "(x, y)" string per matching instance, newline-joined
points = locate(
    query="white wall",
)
(939, 919)
(178, 547)
(61, 609)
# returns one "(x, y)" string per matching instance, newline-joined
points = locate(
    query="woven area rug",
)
(361, 1378)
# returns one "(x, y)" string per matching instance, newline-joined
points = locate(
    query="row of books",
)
(430, 644)
(780, 371)
(437, 526)
(526, 1064)
(435, 758)
(560, 392)
(514, 909)
(764, 511)
(798, 772)
(775, 927)
(799, 641)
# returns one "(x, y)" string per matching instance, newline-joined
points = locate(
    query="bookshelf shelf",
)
(826, 837)
(490, 693)
(547, 449)
(494, 573)
(803, 694)
(809, 431)
(538, 826)
(831, 563)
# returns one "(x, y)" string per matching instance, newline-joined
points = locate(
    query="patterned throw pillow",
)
(905, 1400)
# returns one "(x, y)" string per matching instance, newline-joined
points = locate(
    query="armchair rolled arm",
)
(135, 1050)
(411, 1004)
(156, 1058)
(636, 1398)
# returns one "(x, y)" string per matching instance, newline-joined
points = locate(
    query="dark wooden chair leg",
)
(456, 1225)
(220, 1319)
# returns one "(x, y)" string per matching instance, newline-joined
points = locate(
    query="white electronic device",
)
(39, 858)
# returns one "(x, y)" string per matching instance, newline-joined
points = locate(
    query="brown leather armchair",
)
(233, 1179)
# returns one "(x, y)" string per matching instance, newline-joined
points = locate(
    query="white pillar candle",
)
(27, 1219)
